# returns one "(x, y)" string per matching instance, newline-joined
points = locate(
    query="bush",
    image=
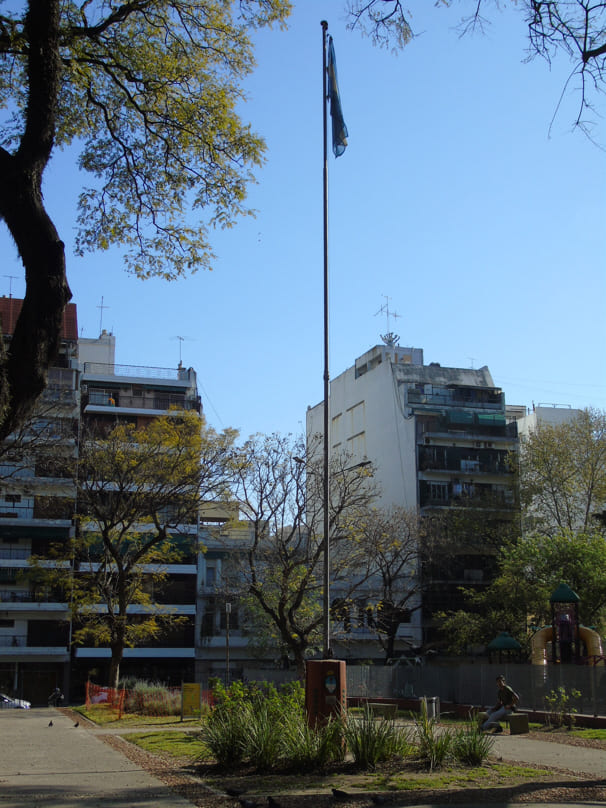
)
(222, 732)
(372, 741)
(560, 712)
(470, 745)
(263, 734)
(149, 698)
(308, 748)
(435, 746)
(267, 728)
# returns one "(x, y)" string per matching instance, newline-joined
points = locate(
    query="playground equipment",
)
(565, 633)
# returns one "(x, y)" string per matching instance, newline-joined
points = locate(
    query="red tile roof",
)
(11, 306)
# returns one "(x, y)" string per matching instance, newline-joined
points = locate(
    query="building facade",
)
(441, 445)
(37, 501)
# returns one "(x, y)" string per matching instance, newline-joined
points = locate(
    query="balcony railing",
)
(25, 596)
(14, 553)
(112, 398)
(13, 641)
(135, 371)
(450, 399)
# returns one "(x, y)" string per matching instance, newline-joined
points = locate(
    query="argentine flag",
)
(339, 130)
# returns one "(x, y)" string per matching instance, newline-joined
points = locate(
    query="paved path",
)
(547, 753)
(59, 766)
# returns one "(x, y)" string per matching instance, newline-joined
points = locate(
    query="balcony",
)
(27, 596)
(111, 399)
(14, 553)
(480, 400)
(102, 370)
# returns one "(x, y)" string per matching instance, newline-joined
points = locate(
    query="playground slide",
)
(538, 645)
(539, 640)
(592, 641)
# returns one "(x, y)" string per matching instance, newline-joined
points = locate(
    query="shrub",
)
(470, 745)
(372, 741)
(559, 710)
(149, 698)
(223, 734)
(263, 734)
(435, 746)
(307, 748)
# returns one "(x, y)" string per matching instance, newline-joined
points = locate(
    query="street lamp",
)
(227, 613)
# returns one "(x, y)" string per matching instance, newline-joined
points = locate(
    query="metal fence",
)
(475, 684)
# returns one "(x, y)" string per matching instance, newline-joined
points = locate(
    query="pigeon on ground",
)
(77, 724)
(50, 723)
(340, 796)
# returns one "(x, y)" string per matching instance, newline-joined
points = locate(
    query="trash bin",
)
(432, 704)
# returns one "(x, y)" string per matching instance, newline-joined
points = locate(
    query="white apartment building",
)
(439, 440)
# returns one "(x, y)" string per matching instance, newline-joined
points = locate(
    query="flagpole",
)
(327, 653)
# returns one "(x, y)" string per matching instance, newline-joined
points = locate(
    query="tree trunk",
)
(114, 666)
(37, 334)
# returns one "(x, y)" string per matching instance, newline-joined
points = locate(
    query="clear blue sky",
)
(460, 197)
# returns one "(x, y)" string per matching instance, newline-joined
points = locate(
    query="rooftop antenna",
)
(472, 359)
(390, 339)
(11, 278)
(101, 316)
(181, 341)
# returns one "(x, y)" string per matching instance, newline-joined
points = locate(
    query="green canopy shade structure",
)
(564, 594)
(505, 646)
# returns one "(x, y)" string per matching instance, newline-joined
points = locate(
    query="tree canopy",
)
(563, 474)
(279, 574)
(139, 491)
(146, 91)
(529, 571)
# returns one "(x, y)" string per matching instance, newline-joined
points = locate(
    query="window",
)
(12, 498)
(438, 492)
(210, 576)
(7, 624)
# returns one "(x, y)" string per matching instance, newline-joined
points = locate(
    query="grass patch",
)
(176, 744)
(593, 734)
(103, 715)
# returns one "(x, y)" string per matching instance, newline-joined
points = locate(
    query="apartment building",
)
(441, 445)
(37, 500)
(38, 503)
(114, 394)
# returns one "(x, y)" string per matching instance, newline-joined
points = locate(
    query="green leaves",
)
(149, 92)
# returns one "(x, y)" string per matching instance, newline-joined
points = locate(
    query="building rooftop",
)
(10, 308)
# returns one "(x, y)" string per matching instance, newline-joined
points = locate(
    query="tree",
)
(574, 28)
(563, 474)
(529, 571)
(278, 489)
(138, 490)
(390, 541)
(147, 89)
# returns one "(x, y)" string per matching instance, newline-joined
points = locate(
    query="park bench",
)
(382, 710)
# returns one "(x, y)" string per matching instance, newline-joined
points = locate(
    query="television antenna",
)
(181, 341)
(11, 278)
(101, 315)
(389, 338)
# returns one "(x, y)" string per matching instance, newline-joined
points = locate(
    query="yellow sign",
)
(191, 695)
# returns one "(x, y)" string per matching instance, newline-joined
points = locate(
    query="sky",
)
(465, 202)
